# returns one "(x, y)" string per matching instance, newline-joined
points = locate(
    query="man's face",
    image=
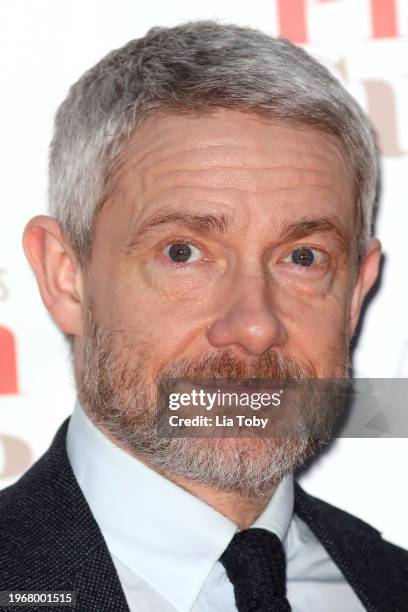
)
(228, 241)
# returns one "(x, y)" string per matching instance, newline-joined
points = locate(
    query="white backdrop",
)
(45, 46)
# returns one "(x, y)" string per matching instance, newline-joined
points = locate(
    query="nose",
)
(249, 319)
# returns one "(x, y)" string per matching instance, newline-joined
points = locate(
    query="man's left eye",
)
(182, 252)
(305, 256)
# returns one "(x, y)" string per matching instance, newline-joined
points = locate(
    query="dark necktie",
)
(255, 564)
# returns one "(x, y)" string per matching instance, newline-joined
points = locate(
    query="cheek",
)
(156, 318)
(316, 328)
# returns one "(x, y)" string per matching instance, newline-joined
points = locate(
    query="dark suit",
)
(50, 541)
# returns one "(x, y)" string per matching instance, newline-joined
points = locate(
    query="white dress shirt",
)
(165, 543)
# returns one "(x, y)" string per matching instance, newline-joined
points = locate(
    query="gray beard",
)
(120, 397)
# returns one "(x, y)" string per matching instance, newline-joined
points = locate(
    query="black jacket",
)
(50, 541)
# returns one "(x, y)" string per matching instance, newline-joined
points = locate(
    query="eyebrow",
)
(200, 223)
(222, 224)
(319, 225)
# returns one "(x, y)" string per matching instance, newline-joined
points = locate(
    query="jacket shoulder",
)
(375, 568)
(49, 539)
(45, 522)
(351, 526)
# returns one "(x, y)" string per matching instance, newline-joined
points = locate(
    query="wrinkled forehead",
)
(229, 151)
(189, 136)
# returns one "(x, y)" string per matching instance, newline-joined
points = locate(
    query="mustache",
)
(226, 365)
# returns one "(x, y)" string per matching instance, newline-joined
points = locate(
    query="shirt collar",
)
(160, 531)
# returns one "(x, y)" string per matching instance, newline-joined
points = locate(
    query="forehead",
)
(229, 157)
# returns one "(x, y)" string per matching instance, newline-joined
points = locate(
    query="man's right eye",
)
(182, 252)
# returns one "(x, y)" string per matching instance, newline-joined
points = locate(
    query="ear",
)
(366, 277)
(58, 272)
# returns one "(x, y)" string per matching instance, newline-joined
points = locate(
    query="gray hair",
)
(195, 68)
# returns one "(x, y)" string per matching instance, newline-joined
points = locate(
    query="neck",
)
(240, 509)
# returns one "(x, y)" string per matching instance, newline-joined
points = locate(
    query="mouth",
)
(247, 385)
